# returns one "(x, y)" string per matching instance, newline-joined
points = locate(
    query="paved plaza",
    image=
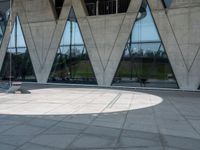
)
(66, 118)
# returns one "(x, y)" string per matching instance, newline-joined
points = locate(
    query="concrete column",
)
(105, 37)
(38, 25)
(97, 8)
(116, 6)
(180, 34)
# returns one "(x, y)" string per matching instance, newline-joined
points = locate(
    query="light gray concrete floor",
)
(58, 118)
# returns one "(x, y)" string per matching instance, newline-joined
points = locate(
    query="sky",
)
(143, 30)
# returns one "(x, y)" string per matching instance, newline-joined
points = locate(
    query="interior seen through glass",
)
(4, 15)
(103, 7)
(144, 61)
(167, 3)
(58, 6)
(72, 64)
(18, 56)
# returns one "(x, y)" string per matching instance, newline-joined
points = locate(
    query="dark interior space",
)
(103, 7)
(58, 6)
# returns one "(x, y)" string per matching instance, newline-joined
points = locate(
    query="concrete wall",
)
(180, 33)
(105, 36)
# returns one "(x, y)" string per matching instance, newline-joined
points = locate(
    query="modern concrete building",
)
(132, 43)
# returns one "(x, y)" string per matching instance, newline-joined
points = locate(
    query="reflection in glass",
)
(104, 7)
(72, 64)
(91, 6)
(58, 6)
(22, 69)
(107, 7)
(4, 15)
(167, 3)
(144, 62)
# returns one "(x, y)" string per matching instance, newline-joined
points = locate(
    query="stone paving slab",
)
(66, 118)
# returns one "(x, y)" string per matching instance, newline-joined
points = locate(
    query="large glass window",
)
(167, 3)
(123, 5)
(144, 61)
(58, 4)
(103, 7)
(17, 63)
(72, 64)
(4, 15)
(91, 6)
(107, 7)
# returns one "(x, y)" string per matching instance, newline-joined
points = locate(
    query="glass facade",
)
(144, 62)
(107, 7)
(58, 6)
(4, 15)
(91, 7)
(17, 58)
(72, 64)
(167, 3)
(103, 7)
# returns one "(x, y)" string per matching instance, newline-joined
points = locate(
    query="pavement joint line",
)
(161, 139)
(46, 146)
(89, 125)
(8, 144)
(62, 105)
(110, 105)
(126, 116)
(85, 104)
(40, 133)
(110, 147)
(184, 117)
(11, 128)
(87, 108)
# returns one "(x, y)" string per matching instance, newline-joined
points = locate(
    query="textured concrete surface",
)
(105, 36)
(179, 31)
(64, 118)
(184, 3)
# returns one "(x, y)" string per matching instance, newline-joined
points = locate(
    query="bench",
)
(142, 81)
(17, 87)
